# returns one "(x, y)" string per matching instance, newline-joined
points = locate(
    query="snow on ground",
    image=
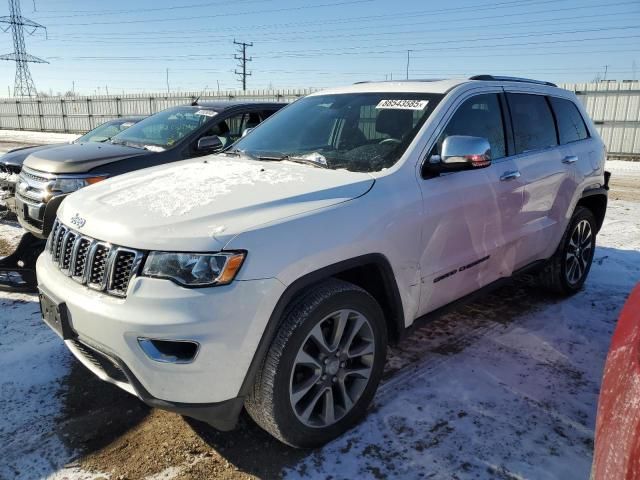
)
(33, 138)
(32, 363)
(622, 167)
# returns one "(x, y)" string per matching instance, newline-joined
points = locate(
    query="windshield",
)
(166, 128)
(363, 132)
(105, 131)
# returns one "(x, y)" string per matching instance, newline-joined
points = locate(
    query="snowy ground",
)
(504, 388)
(18, 138)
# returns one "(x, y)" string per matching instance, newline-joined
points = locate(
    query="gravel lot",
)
(503, 388)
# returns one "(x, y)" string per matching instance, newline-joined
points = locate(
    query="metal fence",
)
(613, 106)
(615, 109)
(79, 114)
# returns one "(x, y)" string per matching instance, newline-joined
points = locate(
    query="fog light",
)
(169, 351)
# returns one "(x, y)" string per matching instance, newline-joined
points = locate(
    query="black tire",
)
(556, 274)
(270, 402)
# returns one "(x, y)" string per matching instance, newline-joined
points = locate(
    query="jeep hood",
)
(201, 204)
(79, 157)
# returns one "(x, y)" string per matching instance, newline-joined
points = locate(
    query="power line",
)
(217, 15)
(382, 17)
(324, 52)
(387, 54)
(94, 13)
(23, 86)
(521, 34)
(242, 48)
(283, 28)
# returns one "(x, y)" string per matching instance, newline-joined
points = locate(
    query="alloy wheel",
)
(332, 368)
(579, 252)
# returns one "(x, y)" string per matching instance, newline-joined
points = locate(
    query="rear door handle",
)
(510, 176)
(570, 159)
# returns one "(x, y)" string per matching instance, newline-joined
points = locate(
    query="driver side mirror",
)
(462, 152)
(209, 144)
(247, 131)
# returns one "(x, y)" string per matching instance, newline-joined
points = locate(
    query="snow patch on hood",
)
(182, 188)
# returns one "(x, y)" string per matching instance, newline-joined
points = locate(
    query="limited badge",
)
(403, 104)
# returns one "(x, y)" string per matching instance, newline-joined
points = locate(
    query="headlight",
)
(69, 184)
(194, 269)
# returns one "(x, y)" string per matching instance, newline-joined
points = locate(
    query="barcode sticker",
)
(403, 104)
(207, 113)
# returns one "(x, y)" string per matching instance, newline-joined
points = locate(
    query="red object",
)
(617, 444)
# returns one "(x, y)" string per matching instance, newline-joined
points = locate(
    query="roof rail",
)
(400, 80)
(501, 78)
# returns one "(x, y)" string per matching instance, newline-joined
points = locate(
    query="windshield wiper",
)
(128, 144)
(236, 152)
(291, 158)
(305, 161)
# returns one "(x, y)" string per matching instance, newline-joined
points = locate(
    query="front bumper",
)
(37, 217)
(227, 322)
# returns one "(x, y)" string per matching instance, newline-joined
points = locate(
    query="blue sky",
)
(128, 45)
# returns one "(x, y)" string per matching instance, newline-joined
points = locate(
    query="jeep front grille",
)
(98, 265)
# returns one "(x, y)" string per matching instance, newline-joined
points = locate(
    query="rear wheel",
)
(567, 270)
(323, 367)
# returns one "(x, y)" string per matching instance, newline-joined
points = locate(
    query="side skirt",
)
(470, 298)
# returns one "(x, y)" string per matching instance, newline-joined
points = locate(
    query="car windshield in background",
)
(166, 128)
(363, 132)
(104, 132)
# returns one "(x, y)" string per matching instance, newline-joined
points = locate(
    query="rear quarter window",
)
(571, 126)
(533, 124)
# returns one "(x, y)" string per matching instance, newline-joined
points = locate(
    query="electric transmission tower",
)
(242, 58)
(24, 86)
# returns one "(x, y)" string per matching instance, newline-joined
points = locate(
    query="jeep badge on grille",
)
(78, 221)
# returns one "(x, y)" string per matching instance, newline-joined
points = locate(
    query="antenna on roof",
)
(195, 102)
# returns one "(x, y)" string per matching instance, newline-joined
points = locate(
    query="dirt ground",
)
(113, 433)
(624, 188)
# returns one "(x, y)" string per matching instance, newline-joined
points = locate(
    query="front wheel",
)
(567, 270)
(323, 367)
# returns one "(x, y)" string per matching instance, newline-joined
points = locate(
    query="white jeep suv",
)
(272, 276)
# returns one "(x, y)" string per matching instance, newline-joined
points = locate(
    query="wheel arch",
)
(595, 200)
(372, 272)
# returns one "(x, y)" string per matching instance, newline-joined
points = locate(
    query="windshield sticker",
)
(403, 104)
(207, 113)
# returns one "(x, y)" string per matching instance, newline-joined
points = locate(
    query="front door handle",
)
(570, 159)
(510, 175)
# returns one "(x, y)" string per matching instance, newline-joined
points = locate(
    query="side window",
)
(479, 116)
(229, 130)
(571, 125)
(533, 125)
